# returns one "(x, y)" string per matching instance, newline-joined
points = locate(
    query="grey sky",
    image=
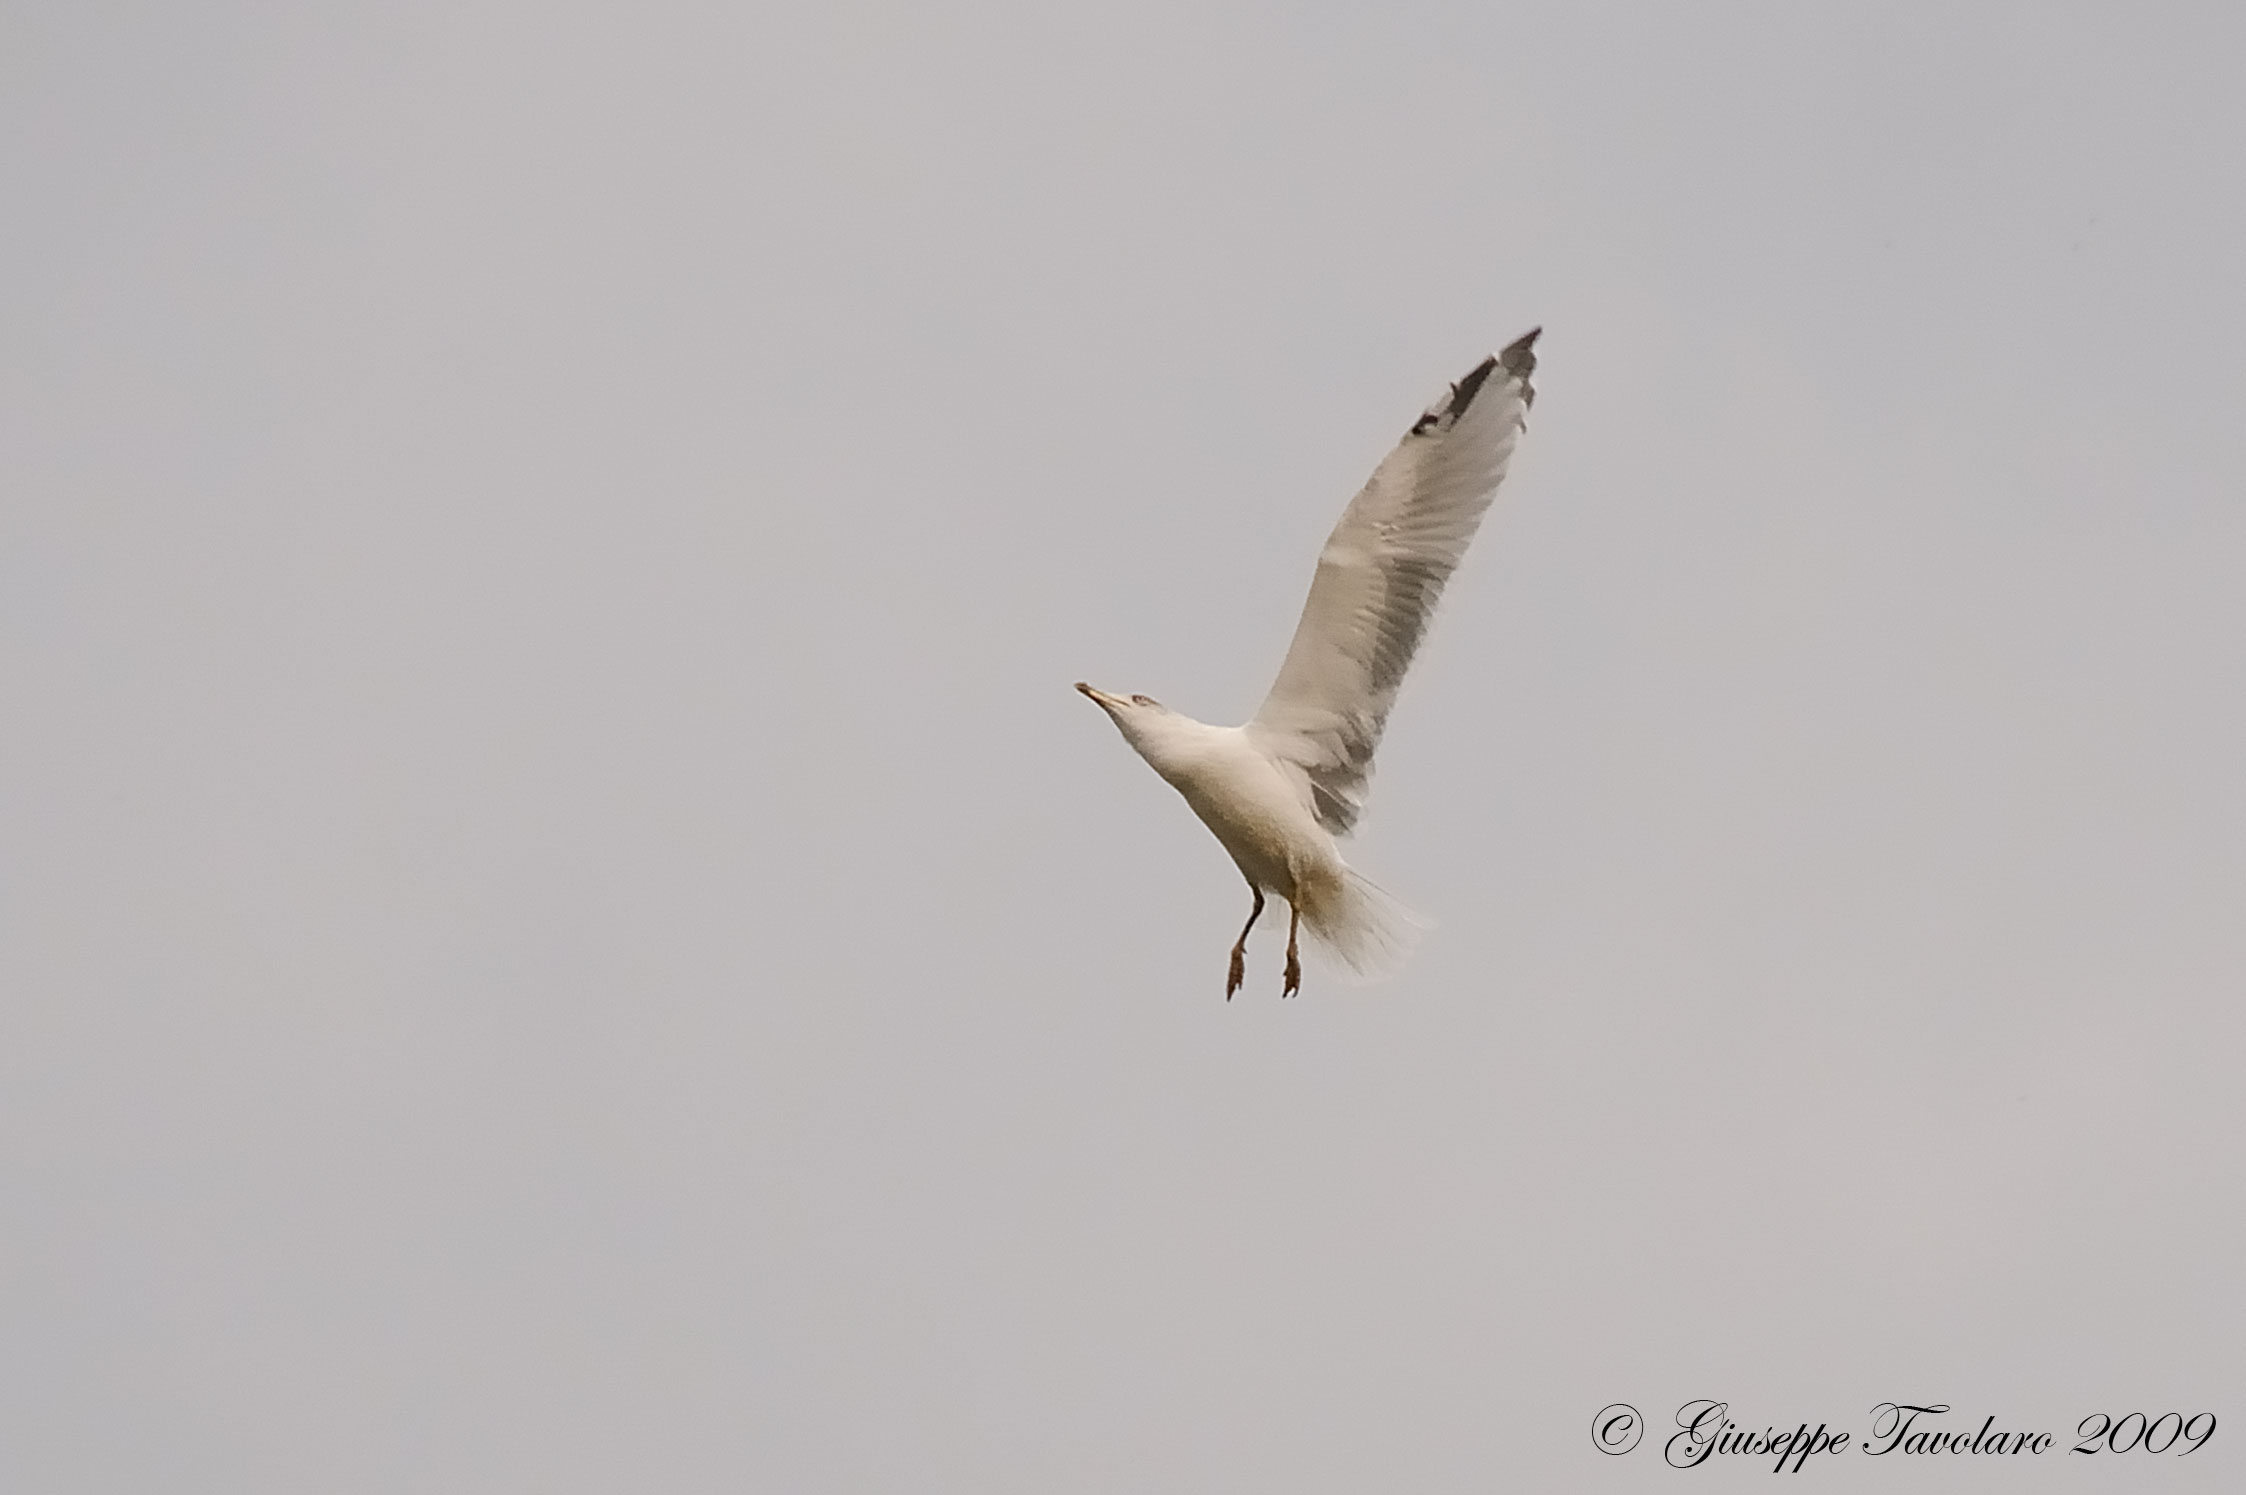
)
(561, 927)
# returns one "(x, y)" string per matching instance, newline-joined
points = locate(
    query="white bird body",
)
(1277, 791)
(1245, 796)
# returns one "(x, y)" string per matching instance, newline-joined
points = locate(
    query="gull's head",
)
(1158, 734)
(1134, 714)
(1120, 706)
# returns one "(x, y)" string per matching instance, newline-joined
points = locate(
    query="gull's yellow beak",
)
(1098, 697)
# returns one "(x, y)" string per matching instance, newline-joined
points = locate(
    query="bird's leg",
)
(1239, 971)
(1294, 959)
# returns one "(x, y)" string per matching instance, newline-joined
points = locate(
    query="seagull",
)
(1278, 791)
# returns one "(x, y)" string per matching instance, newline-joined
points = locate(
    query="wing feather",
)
(1379, 578)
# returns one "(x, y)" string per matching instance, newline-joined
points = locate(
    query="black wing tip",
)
(1518, 359)
(1519, 355)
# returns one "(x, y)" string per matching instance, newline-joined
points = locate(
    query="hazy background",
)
(564, 931)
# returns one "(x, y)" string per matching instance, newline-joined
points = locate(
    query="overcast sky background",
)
(561, 928)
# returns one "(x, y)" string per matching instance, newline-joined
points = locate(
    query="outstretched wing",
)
(1379, 577)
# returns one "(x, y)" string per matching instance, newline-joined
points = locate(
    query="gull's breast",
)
(1256, 811)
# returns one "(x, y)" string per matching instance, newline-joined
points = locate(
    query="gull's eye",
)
(1142, 700)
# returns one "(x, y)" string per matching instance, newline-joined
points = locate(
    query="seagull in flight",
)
(1279, 790)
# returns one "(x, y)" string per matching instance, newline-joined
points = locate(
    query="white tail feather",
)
(1361, 926)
